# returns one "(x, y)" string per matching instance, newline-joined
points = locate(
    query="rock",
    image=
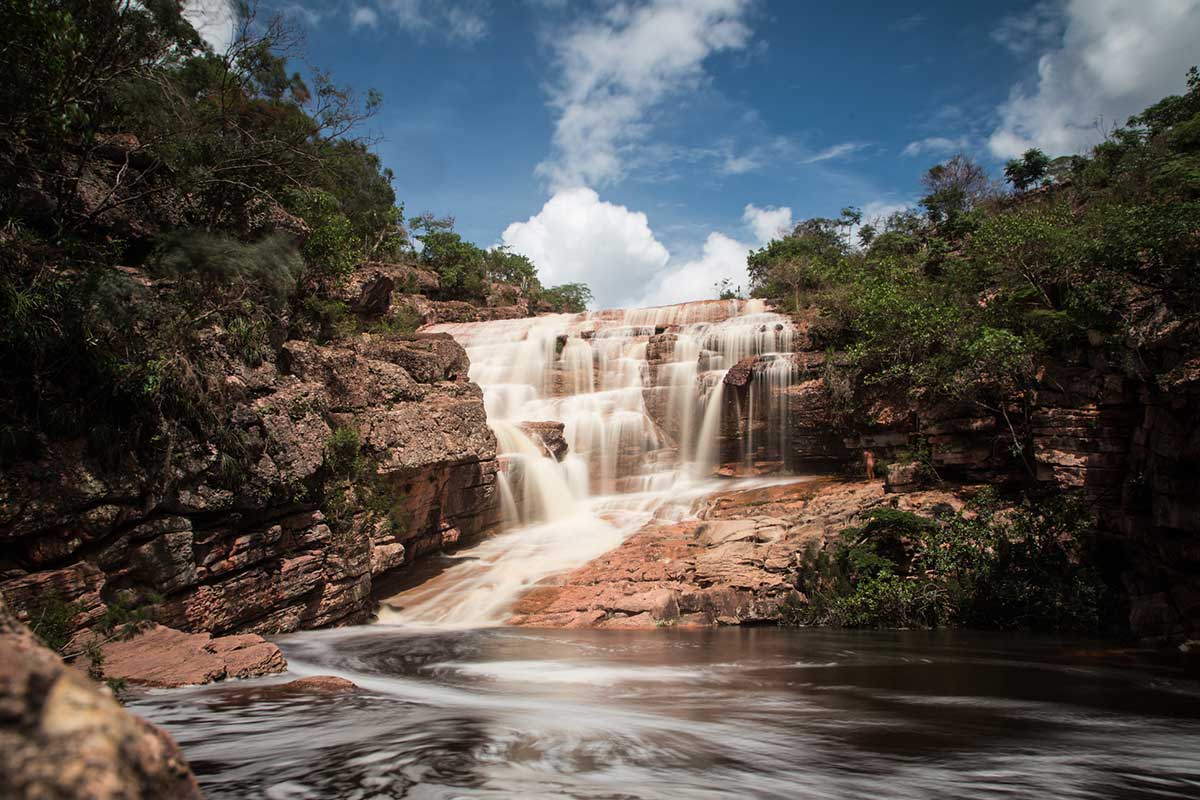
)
(734, 566)
(318, 684)
(62, 737)
(549, 435)
(903, 477)
(164, 657)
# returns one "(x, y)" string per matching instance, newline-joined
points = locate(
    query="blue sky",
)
(645, 146)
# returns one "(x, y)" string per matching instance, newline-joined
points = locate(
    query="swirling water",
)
(721, 713)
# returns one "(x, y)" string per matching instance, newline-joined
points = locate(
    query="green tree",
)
(1028, 170)
(570, 298)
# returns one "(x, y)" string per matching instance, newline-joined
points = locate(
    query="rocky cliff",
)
(1130, 447)
(341, 462)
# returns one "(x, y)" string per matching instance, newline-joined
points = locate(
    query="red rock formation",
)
(165, 657)
(278, 547)
(733, 566)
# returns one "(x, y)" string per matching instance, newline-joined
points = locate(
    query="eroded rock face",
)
(549, 435)
(275, 541)
(62, 737)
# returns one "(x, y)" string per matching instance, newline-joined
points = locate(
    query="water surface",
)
(722, 713)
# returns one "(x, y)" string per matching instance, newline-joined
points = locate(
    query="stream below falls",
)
(712, 713)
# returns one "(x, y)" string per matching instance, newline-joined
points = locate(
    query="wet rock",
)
(317, 684)
(63, 737)
(549, 435)
(164, 657)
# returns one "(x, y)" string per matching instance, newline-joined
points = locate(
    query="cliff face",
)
(291, 531)
(1130, 447)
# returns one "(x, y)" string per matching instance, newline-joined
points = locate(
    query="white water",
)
(626, 465)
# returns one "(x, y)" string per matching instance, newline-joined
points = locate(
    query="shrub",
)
(985, 567)
(51, 620)
(342, 453)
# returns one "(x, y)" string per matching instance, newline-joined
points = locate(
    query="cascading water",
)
(645, 409)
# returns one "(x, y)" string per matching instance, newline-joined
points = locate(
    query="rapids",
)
(703, 714)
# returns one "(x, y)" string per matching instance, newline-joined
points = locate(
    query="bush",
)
(52, 620)
(985, 567)
(341, 453)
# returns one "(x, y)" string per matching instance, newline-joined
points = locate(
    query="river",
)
(720, 713)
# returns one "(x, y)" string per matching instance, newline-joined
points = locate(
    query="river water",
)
(721, 713)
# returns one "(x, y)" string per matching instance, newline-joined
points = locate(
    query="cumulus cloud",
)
(836, 151)
(767, 223)
(617, 67)
(214, 20)
(934, 145)
(1112, 59)
(577, 237)
(721, 257)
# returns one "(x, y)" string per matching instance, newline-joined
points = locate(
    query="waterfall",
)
(644, 403)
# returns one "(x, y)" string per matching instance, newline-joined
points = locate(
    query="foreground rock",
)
(734, 566)
(63, 737)
(164, 657)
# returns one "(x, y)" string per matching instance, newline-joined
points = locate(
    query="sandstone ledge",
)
(164, 657)
(733, 566)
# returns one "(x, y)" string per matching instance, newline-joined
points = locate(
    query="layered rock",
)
(63, 737)
(256, 533)
(164, 657)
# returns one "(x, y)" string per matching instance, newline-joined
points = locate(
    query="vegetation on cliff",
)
(160, 202)
(986, 566)
(962, 298)
(968, 303)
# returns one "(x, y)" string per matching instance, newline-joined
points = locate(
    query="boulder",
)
(63, 737)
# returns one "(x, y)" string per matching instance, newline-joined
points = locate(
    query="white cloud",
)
(618, 67)
(722, 257)
(1032, 30)
(1113, 59)
(836, 151)
(935, 145)
(463, 20)
(738, 165)
(577, 237)
(767, 223)
(364, 17)
(214, 20)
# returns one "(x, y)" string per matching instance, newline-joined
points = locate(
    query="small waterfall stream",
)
(645, 410)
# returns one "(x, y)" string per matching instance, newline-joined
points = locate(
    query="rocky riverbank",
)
(736, 564)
